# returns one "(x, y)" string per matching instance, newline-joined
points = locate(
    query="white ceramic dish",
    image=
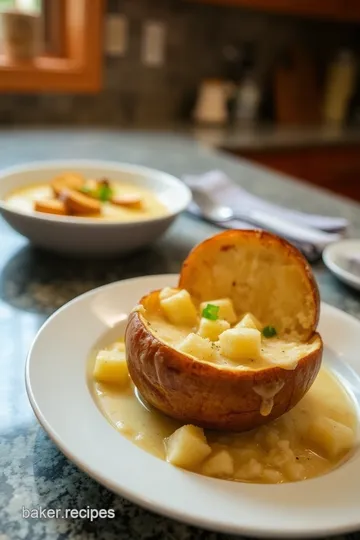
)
(88, 236)
(60, 396)
(337, 258)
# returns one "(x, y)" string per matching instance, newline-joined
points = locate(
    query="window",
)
(26, 5)
(30, 6)
(71, 49)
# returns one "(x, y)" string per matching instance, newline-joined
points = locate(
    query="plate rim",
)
(141, 500)
(344, 275)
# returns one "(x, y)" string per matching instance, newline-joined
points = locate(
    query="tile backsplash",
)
(196, 36)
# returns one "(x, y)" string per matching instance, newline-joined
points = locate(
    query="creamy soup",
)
(23, 199)
(272, 351)
(310, 440)
(215, 333)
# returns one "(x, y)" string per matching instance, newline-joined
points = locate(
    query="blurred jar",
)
(248, 100)
(339, 87)
(20, 36)
(211, 103)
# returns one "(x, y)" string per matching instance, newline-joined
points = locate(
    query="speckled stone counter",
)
(33, 284)
(275, 138)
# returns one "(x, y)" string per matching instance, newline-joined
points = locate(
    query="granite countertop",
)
(263, 137)
(33, 284)
(269, 138)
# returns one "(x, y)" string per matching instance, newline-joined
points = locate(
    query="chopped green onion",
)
(104, 193)
(269, 331)
(85, 189)
(211, 312)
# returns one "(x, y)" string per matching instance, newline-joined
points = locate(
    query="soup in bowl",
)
(88, 207)
(73, 194)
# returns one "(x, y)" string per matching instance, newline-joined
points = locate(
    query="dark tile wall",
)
(197, 34)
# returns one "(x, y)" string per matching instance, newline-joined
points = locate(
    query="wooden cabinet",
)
(333, 168)
(350, 9)
(333, 9)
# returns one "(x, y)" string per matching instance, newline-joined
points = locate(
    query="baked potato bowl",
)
(235, 345)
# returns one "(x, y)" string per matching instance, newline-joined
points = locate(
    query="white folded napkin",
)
(225, 192)
(222, 190)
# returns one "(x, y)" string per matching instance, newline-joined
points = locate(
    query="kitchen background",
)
(292, 95)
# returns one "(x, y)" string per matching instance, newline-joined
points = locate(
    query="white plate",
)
(89, 236)
(336, 257)
(59, 393)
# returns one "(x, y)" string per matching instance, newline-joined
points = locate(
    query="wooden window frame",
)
(77, 67)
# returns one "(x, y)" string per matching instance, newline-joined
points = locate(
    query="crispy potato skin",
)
(205, 394)
(195, 265)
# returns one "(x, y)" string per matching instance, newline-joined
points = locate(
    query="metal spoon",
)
(216, 213)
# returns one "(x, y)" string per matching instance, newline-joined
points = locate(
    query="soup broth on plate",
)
(310, 440)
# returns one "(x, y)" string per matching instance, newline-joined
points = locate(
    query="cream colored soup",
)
(310, 440)
(273, 351)
(23, 199)
(224, 337)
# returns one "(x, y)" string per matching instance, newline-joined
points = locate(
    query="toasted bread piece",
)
(130, 200)
(80, 204)
(263, 275)
(51, 206)
(67, 180)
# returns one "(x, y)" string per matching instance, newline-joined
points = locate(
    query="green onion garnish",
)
(269, 331)
(85, 189)
(104, 193)
(211, 312)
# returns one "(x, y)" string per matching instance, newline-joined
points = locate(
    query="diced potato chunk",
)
(118, 346)
(111, 367)
(244, 454)
(179, 309)
(271, 439)
(272, 476)
(240, 343)
(331, 437)
(187, 447)
(294, 471)
(199, 347)
(166, 292)
(249, 321)
(212, 329)
(221, 464)
(254, 468)
(226, 310)
(250, 471)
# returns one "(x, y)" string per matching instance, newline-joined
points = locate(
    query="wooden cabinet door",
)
(334, 168)
(318, 8)
(300, 7)
(350, 9)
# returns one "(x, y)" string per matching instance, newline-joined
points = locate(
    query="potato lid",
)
(262, 274)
